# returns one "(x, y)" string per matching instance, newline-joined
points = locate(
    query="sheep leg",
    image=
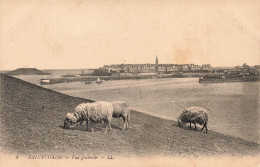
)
(127, 126)
(127, 121)
(87, 124)
(106, 129)
(109, 125)
(124, 127)
(81, 122)
(203, 127)
(190, 125)
(92, 125)
(195, 127)
(206, 126)
(124, 124)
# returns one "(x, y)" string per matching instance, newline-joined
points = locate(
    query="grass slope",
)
(32, 119)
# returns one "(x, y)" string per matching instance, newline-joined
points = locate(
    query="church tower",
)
(156, 64)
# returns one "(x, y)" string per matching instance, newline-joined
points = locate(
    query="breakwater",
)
(223, 78)
(121, 77)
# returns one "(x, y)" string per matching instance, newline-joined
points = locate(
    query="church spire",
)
(156, 63)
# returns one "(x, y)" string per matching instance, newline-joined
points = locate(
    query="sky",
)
(74, 34)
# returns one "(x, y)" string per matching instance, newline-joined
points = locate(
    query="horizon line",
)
(84, 68)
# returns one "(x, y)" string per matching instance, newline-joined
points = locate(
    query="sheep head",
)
(69, 121)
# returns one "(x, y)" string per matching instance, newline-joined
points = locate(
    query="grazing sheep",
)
(122, 109)
(194, 115)
(94, 112)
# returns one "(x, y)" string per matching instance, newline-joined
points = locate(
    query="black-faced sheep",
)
(194, 115)
(121, 109)
(94, 112)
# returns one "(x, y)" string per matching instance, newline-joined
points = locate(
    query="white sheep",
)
(121, 109)
(194, 115)
(96, 112)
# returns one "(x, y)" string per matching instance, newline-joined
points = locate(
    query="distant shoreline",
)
(71, 78)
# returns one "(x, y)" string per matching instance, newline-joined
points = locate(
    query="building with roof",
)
(157, 68)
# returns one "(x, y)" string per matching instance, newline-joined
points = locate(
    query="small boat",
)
(99, 81)
(87, 82)
(45, 81)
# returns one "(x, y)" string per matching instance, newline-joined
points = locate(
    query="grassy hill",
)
(26, 71)
(32, 119)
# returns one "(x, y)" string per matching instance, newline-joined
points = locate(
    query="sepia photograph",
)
(129, 83)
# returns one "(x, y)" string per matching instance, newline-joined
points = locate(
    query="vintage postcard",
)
(129, 83)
